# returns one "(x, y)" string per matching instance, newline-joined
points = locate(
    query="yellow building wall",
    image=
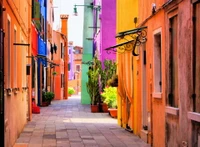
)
(126, 64)
(17, 103)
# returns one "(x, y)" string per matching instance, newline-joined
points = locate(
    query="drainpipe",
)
(2, 117)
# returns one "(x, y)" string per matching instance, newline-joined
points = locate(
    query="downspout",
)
(2, 117)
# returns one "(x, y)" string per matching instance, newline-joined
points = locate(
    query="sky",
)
(75, 23)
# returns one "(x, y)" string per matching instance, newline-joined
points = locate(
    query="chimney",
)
(64, 24)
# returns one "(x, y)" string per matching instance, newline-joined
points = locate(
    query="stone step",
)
(20, 145)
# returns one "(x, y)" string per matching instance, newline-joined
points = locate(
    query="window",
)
(62, 51)
(62, 80)
(77, 51)
(173, 62)
(15, 59)
(9, 52)
(196, 60)
(157, 63)
(69, 67)
(78, 67)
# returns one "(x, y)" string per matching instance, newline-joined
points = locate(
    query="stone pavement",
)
(67, 123)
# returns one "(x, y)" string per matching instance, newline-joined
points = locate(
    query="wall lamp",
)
(92, 6)
(138, 37)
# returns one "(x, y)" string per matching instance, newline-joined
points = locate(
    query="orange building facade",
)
(151, 74)
(163, 86)
(58, 58)
(159, 101)
(17, 46)
(78, 51)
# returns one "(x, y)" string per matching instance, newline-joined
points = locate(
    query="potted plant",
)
(113, 81)
(48, 97)
(71, 91)
(92, 85)
(54, 73)
(109, 96)
(108, 71)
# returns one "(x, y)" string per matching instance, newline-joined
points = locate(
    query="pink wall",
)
(106, 36)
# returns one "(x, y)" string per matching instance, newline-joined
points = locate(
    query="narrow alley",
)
(67, 123)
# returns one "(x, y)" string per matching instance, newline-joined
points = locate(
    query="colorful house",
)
(50, 43)
(57, 67)
(17, 89)
(128, 109)
(71, 60)
(151, 78)
(75, 61)
(2, 105)
(100, 33)
(42, 50)
(77, 66)
(160, 102)
(87, 49)
(106, 37)
(64, 32)
(182, 110)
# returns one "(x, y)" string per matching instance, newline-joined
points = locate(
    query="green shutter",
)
(69, 67)
(36, 14)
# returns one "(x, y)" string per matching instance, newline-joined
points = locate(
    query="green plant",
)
(71, 90)
(54, 73)
(109, 96)
(113, 81)
(48, 96)
(93, 81)
(108, 72)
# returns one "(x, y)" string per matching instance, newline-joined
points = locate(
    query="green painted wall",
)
(87, 49)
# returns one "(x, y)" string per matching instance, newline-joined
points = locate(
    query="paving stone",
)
(25, 134)
(87, 137)
(23, 139)
(61, 135)
(49, 136)
(49, 142)
(37, 140)
(67, 123)
(75, 144)
(35, 145)
(20, 145)
(89, 141)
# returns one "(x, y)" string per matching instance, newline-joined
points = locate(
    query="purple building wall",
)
(105, 37)
(71, 58)
(107, 28)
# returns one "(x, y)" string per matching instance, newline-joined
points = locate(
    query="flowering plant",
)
(109, 96)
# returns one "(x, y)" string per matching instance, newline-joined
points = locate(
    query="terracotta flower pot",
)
(104, 107)
(94, 108)
(44, 104)
(113, 112)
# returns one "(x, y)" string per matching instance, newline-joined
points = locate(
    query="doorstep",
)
(145, 135)
(20, 145)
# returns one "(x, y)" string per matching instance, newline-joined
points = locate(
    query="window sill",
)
(194, 116)
(157, 95)
(172, 110)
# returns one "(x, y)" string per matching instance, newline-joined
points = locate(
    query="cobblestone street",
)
(67, 123)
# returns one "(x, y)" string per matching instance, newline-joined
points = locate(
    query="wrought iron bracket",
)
(138, 37)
